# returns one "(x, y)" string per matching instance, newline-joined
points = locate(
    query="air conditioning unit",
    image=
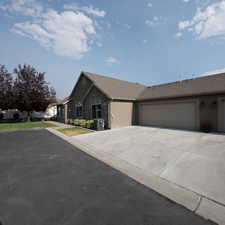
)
(99, 124)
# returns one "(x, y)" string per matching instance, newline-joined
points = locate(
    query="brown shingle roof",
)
(211, 84)
(114, 88)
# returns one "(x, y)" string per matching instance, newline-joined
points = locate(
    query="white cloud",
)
(208, 22)
(186, 1)
(178, 35)
(87, 9)
(112, 60)
(155, 21)
(66, 33)
(149, 23)
(149, 5)
(145, 41)
(183, 25)
(128, 26)
(24, 7)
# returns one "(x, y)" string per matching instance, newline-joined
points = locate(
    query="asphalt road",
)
(46, 181)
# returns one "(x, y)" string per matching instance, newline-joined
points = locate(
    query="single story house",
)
(96, 96)
(192, 104)
(62, 110)
(50, 112)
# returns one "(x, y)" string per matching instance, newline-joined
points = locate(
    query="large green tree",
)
(31, 91)
(6, 89)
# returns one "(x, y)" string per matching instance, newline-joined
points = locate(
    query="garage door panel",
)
(176, 115)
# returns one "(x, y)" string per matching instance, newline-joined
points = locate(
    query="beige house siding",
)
(121, 114)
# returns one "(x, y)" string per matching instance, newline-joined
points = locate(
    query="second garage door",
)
(172, 115)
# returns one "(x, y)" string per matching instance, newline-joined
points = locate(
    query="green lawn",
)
(73, 131)
(24, 125)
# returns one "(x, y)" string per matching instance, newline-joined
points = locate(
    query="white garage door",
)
(173, 115)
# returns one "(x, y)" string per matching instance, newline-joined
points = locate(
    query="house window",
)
(79, 110)
(97, 111)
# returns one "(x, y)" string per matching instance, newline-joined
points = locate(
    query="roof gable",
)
(115, 88)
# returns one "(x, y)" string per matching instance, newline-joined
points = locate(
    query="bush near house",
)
(89, 124)
(1, 116)
(16, 116)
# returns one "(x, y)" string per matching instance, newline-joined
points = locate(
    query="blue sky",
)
(145, 41)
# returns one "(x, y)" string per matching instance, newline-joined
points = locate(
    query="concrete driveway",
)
(46, 181)
(192, 162)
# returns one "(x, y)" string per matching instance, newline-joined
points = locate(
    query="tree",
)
(6, 86)
(32, 92)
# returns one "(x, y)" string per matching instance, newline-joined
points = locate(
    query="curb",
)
(200, 205)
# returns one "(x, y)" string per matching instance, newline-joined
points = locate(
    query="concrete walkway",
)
(187, 167)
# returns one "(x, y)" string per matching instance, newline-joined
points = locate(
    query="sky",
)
(144, 41)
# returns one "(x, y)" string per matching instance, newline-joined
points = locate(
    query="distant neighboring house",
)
(62, 110)
(192, 104)
(50, 112)
(9, 114)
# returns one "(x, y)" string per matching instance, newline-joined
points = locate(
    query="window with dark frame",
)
(79, 110)
(96, 111)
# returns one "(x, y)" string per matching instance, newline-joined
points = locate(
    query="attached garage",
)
(121, 114)
(181, 115)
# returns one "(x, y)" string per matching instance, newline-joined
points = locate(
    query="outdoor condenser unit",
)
(99, 124)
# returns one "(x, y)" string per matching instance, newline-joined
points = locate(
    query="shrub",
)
(70, 121)
(82, 123)
(76, 122)
(90, 124)
(16, 116)
(1, 116)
